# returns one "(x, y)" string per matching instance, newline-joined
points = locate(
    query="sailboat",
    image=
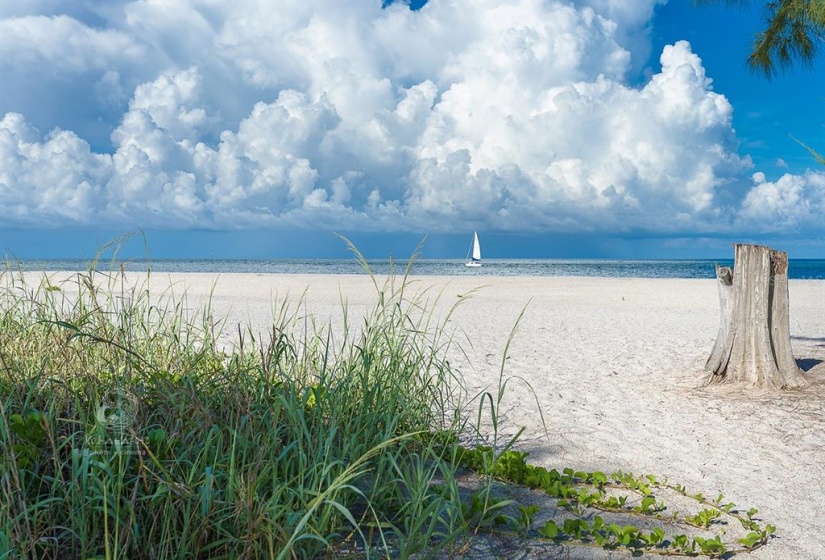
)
(475, 251)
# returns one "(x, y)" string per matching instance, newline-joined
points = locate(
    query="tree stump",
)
(753, 344)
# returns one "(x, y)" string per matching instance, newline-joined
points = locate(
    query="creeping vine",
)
(577, 491)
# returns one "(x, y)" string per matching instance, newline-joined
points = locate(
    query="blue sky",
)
(595, 128)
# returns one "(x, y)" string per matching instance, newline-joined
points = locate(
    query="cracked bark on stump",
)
(753, 344)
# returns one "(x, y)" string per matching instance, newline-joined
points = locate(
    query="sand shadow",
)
(819, 340)
(807, 364)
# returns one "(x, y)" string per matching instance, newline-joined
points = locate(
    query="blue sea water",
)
(797, 268)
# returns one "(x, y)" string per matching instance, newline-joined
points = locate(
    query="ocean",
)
(797, 268)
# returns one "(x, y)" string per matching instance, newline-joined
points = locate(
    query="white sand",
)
(614, 365)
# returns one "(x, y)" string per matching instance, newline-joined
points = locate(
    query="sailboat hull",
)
(472, 264)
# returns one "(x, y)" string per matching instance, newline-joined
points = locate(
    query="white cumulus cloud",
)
(63, 43)
(788, 204)
(506, 115)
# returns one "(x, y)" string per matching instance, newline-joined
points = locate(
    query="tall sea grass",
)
(128, 431)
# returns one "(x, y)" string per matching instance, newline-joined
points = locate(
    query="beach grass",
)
(128, 431)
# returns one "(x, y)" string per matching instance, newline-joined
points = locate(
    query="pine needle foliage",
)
(794, 32)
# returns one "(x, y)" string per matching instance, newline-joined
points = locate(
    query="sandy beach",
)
(614, 365)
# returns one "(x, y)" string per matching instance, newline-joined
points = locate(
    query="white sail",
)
(476, 248)
(474, 254)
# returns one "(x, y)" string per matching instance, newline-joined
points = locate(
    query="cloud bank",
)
(512, 116)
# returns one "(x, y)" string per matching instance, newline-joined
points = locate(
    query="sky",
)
(591, 128)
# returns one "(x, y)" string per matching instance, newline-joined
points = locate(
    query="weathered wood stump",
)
(753, 344)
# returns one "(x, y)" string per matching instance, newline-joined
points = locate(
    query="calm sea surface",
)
(798, 269)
